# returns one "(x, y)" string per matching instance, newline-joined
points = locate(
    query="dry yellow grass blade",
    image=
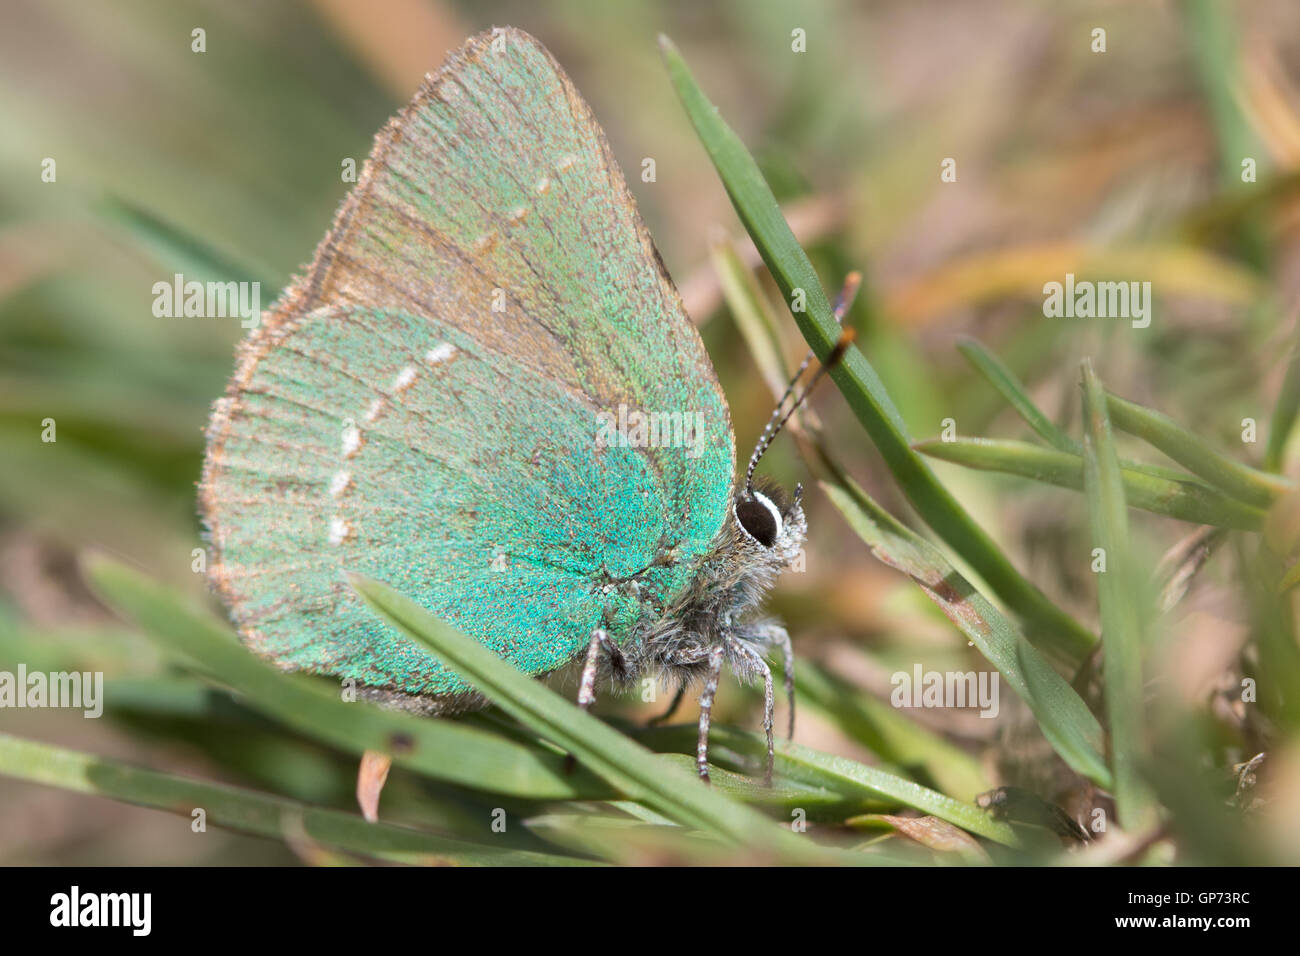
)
(1268, 101)
(1022, 270)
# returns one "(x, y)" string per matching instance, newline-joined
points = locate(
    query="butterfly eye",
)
(759, 518)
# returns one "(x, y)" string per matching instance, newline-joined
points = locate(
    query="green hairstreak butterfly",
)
(485, 391)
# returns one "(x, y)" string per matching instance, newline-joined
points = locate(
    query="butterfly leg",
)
(672, 708)
(787, 662)
(771, 634)
(587, 686)
(599, 642)
(769, 697)
(706, 707)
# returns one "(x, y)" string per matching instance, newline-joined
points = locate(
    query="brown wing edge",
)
(301, 296)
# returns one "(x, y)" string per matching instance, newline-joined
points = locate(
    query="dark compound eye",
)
(760, 519)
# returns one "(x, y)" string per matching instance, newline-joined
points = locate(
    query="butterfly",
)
(485, 391)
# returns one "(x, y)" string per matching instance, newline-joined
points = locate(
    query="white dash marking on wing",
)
(543, 186)
(375, 410)
(340, 483)
(351, 441)
(339, 529)
(405, 379)
(566, 164)
(440, 353)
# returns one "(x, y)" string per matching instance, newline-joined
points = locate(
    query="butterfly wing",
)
(430, 403)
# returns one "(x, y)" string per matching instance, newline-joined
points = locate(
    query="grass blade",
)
(1212, 36)
(1121, 624)
(752, 314)
(1242, 482)
(1277, 672)
(894, 737)
(841, 775)
(1005, 381)
(1062, 715)
(965, 815)
(248, 811)
(1185, 500)
(854, 375)
(931, 832)
(1284, 412)
(443, 749)
(175, 248)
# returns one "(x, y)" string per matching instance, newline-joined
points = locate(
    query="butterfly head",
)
(771, 520)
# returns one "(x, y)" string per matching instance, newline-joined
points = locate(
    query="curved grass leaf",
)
(1188, 500)
(855, 377)
(786, 794)
(443, 749)
(965, 815)
(894, 737)
(1242, 482)
(1010, 388)
(248, 811)
(1121, 619)
(1062, 715)
(812, 768)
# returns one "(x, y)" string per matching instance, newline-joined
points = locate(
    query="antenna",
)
(852, 282)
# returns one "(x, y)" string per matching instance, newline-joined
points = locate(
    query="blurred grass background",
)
(226, 165)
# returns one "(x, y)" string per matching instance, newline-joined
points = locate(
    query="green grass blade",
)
(1010, 388)
(248, 811)
(842, 775)
(1242, 482)
(1284, 412)
(1277, 665)
(751, 313)
(628, 841)
(1184, 500)
(1212, 38)
(855, 377)
(894, 737)
(443, 749)
(629, 768)
(1062, 715)
(634, 841)
(959, 813)
(176, 249)
(1121, 623)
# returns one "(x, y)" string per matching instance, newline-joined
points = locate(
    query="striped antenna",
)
(852, 282)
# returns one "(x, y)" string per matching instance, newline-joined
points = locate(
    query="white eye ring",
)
(766, 502)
